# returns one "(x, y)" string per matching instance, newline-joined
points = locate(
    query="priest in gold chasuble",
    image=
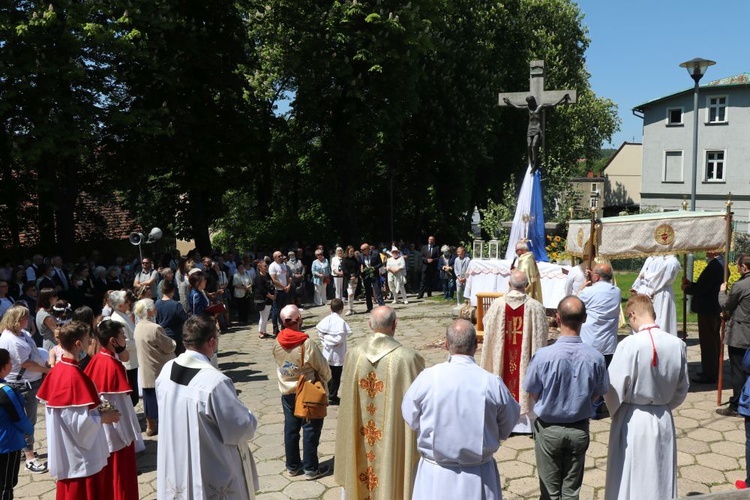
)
(515, 326)
(376, 451)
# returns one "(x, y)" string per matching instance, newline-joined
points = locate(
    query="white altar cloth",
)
(493, 275)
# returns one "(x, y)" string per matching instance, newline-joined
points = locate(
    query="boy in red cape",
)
(111, 380)
(76, 442)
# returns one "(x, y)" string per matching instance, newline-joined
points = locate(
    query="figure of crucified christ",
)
(534, 135)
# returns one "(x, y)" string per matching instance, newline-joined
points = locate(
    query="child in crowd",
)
(332, 331)
(111, 380)
(76, 442)
(63, 314)
(14, 426)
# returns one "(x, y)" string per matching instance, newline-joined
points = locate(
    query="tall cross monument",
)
(528, 223)
(536, 100)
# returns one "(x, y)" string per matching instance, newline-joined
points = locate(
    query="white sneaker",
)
(348, 313)
(393, 302)
(406, 302)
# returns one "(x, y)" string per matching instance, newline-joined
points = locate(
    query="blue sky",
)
(637, 46)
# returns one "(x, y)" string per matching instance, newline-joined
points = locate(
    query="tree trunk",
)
(66, 195)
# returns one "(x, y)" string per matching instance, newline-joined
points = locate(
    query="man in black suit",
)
(705, 292)
(430, 255)
(370, 264)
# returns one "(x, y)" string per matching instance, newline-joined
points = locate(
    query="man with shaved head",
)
(457, 445)
(563, 379)
(376, 451)
(602, 300)
(515, 327)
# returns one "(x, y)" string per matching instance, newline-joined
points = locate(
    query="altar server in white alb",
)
(655, 280)
(202, 450)
(332, 332)
(648, 379)
(461, 413)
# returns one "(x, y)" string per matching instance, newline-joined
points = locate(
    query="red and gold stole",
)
(512, 349)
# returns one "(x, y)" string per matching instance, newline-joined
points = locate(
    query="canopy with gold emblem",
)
(631, 236)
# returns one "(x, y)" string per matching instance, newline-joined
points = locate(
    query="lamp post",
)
(696, 68)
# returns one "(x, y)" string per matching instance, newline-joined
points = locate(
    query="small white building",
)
(723, 148)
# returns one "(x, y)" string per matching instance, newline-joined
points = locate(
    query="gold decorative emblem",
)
(370, 456)
(664, 234)
(579, 237)
(369, 478)
(371, 384)
(371, 433)
(513, 366)
(371, 409)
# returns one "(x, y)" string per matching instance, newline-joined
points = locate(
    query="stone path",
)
(711, 451)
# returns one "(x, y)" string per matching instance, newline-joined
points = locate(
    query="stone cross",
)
(536, 100)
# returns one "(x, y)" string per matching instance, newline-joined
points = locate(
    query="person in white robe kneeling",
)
(648, 379)
(456, 441)
(202, 449)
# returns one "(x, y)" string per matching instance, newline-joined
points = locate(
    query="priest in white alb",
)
(515, 327)
(655, 280)
(461, 413)
(648, 379)
(202, 449)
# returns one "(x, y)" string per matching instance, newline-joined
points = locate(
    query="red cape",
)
(289, 339)
(67, 385)
(108, 373)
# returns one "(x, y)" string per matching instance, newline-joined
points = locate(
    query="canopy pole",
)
(592, 247)
(684, 298)
(727, 246)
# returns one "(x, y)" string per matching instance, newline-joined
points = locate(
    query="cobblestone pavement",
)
(710, 448)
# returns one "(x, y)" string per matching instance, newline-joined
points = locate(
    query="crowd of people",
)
(93, 341)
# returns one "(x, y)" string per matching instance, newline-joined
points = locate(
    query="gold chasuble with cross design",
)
(505, 352)
(376, 452)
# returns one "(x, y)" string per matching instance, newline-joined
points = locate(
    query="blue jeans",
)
(310, 438)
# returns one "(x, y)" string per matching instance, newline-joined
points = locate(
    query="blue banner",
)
(535, 234)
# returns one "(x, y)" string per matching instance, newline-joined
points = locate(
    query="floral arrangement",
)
(556, 248)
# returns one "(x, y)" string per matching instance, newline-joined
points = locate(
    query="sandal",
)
(263, 335)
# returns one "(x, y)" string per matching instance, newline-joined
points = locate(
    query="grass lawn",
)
(625, 281)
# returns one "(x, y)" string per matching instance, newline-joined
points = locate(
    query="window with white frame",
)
(715, 166)
(594, 187)
(672, 166)
(717, 109)
(674, 116)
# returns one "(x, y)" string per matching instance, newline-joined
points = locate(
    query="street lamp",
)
(696, 68)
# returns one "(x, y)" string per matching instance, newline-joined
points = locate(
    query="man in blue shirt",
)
(602, 300)
(564, 379)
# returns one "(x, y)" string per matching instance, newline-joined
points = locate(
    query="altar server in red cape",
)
(76, 443)
(111, 380)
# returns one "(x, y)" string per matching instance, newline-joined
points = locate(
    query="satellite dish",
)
(136, 238)
(154, 235)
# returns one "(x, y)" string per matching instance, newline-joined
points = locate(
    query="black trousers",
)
(133, 380)
(9, 465)
(737, 373)
(335, 382)
(428, 278)
(243, 308)
(709, 336)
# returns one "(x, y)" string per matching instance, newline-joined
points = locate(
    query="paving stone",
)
(520, 443)
(521, 488)
(703, 474)
(729, 448)
(270, 467)
(685, 424)
(689, 487)
(685, 458)
(689, 445)
(595, 478)
(705, 435)
(597, 450)
(275, 482)
(304, 489)
(725, 424)
(720, 463)
(516, 469)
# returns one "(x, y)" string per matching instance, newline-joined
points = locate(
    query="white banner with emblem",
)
(631, 236)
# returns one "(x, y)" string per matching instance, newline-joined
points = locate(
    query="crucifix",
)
(536, 100)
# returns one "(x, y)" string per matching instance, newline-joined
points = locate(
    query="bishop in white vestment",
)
(648, 379)
(461, 413)
(202, 448)
(655, 280)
